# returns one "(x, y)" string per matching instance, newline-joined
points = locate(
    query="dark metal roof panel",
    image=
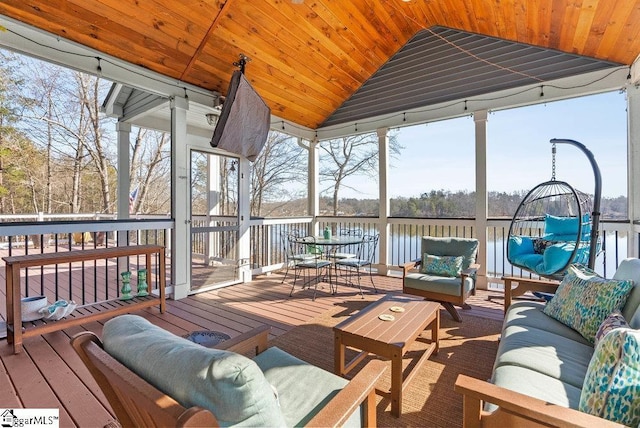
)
(441, 64)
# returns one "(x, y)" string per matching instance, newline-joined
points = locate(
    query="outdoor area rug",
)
(429, 401)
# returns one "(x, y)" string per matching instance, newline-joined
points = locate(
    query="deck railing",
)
(404, 240)
(29, 234)
(94, 281)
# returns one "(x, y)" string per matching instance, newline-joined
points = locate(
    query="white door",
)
(214, 220)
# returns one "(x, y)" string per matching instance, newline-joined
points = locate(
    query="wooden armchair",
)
(448, 289)
(515, 409)
(137, 403)
(524, 285)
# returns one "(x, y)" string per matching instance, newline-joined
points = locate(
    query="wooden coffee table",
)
(368, 333)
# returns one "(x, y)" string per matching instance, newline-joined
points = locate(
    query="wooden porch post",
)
(480, 119)
(181, 238)
(633, 160)
(383, 215)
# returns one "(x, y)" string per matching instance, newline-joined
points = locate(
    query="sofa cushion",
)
(441, 265)
(529, 314)
(612, 385)
(544, 352)
(230, 385)
(537, 385)
(583, 300)
(438, 284)
(303, 389)
(613, 321)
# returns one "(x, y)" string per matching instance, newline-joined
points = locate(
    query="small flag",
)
(132, 199)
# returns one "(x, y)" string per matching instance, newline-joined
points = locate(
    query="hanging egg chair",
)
(556, 225)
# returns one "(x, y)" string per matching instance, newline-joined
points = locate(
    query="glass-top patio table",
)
(333, 243)
(336, 241)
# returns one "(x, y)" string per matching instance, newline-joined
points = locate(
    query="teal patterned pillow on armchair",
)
(442, 265)
(584, 300)
(611, 387)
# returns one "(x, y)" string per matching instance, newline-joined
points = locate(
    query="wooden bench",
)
(85, 313)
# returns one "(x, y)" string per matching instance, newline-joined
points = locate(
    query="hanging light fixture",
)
(212, 118)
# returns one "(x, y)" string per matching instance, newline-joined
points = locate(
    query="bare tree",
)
(281, 163)
(355, 155)
(150, 171)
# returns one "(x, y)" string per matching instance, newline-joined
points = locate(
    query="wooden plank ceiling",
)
(307, 59)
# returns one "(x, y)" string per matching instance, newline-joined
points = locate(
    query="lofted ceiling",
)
(310, 60)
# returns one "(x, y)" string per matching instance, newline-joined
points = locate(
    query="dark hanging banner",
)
(244, 122)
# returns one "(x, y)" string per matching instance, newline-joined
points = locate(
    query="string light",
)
(293, 125)
(465, 105)
(542, 90)
(99, 69)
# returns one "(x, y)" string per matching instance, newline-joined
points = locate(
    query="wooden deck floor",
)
(48, 374)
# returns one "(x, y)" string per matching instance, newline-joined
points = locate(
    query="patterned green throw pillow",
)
(584, 300)
(441, 265)
(611, 387)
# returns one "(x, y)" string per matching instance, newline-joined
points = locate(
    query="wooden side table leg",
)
(9, 302)
(338, 357)
(396, 383)
(435, 332)
(14, 334)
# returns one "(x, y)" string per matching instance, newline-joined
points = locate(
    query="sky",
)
(440, 155)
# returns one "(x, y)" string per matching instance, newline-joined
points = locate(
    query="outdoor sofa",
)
(545, 370)
(152, 377)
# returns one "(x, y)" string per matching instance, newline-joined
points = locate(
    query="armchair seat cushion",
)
(303, 389)
(230, 385)
(438, 284)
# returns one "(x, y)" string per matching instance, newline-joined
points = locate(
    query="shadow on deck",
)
(48, 373)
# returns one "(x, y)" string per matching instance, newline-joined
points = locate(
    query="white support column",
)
(313, 184)
(180, 203)
(383, 215)
(480, 119)
(633, 160)
(244, 239)
(123, 130)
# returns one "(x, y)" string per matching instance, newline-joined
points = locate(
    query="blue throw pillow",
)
(560, 225)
